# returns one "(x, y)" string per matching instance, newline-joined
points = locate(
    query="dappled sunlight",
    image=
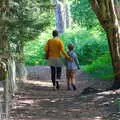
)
(101, 98)
(109, 92)
(23, 103)
(54, 100)
(33, 95)
(98, 98)
(40, 83)
(76, 110)
(27, 101)
(18, 107)
(1, 89)
(98, 118)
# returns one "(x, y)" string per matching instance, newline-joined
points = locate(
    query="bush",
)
(101, 67)
(87, 46)
(34, 53)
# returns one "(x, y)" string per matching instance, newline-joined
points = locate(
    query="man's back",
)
(54, 48)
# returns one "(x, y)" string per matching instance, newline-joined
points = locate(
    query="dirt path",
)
(36, 100)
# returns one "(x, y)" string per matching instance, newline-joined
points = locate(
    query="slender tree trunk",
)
(12, 76)
(108, 13)
(20, 67)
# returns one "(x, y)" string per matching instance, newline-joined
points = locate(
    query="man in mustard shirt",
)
(54, 49)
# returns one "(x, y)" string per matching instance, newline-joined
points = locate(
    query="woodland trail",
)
(36, 100)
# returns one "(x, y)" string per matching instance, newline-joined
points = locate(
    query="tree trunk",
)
(4, 50)
(108, 13)
(12, 76)
(21, 71)
(20, 67)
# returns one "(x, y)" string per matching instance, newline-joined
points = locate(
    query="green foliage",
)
(90, 44)
(87, 45)
(83, 15)
(101, 67)
(117, 103)
(27, 22)
(34, 54)
(34, 50)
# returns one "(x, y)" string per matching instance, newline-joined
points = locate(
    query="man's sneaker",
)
(68, 88)
(57, 85)
(74, 87)
(54, 88)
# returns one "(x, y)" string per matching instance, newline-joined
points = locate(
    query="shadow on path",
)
(36, 100)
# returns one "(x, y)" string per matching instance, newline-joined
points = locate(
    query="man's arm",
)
(63, 51)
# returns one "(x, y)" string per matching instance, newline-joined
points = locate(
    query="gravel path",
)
(36, 100)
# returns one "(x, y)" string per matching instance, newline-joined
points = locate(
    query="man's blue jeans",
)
(55, 74)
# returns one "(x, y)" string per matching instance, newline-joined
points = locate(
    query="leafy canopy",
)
(27, 21)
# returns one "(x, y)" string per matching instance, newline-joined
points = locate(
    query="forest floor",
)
(36, 100)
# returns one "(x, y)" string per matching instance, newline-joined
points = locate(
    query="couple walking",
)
(54, 49)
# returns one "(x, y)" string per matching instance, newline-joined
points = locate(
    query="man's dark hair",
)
(55, 33)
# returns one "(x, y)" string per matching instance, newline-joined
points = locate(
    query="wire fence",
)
(33, 73)
(42, 73)
(7, 89)
(4, 102)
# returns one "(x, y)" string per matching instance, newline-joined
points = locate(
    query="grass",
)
(100, 68)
